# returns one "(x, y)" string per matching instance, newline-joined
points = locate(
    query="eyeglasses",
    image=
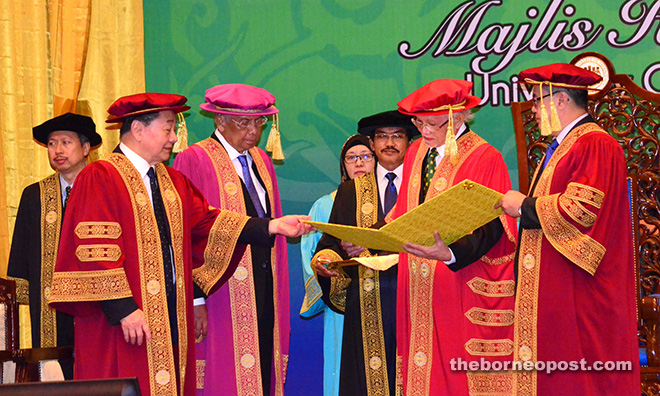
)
(396, 136)
(433, 128)
(535, 101)
(244, 123)
(351, 159)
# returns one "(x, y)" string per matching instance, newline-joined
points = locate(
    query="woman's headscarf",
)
(352, 141)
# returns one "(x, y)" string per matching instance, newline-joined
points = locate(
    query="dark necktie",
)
(247, 179)
(67, 191)
(429, 171)
(390, 192)
(163, 230)
(549, 152)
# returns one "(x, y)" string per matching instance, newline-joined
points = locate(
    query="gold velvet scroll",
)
(453, 214)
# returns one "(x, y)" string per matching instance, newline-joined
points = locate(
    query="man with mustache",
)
(130, 249)
(367, 298)
(69, 139)
(233, 173)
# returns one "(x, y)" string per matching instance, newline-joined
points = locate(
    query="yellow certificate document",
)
(453, 214)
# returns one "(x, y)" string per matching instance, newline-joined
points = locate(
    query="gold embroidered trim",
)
(90, 253)
(241, 285)
(313, 293)
(420, 359)
(281, 361)
(22, 290)
(498, 260)
(490, 317)
(201, 373)
(488, 288)
(98, 229)
(483, 383)
(422, 271)
(174, 211)
(478, 347)
(51, 225)
(587, 194)
(580, 249)
(529, 265)
(221, 244)
(510, 233)
(527, 300)
(285, 365)
(338, 284)
(160, 356)
(375, 360)
(366, 200)
(399, 376)
(577, 212)
(76, 286)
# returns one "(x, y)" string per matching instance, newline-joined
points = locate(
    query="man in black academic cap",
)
(367, 298)
(69, 139)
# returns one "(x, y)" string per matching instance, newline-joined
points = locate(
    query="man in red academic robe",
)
(454, 303)
(234, 174)
(575, 298)
(125, 263)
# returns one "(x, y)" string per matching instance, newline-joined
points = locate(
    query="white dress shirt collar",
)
(381, 172)
(138, 162)
(233, 153)
(441, 149)
(568, 128)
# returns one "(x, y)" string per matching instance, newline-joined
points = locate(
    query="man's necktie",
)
(163, 230)
(429, 171)
(67, 191)
(390, 193)
(247, 179)
(549, 152)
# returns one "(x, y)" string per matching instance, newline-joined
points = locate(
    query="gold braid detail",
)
(79, 286)
(222, 242)
(422, 271)
(160, 354)
(22, 290)
(580, 249)
(529, 265)
(338, 284)
(478, 347)
(375, 360)
(242, 295)
(494, 383)
(51, 225)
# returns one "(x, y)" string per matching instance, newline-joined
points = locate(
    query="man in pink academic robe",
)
(125, 263)
(575, 298)
(247, 346)
(454, 303)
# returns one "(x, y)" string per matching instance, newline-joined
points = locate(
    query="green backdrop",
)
(331, 62)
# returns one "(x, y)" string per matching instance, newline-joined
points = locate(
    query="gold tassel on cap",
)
(555, 124)
(181, 134)
(451, 148)
(274, 143)
(545, 123)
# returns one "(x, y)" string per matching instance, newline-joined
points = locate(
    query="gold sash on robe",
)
(241, 285)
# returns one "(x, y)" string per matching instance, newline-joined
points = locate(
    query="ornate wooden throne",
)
(630, 114)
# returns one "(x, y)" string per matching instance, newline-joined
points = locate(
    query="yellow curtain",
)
(58, 56)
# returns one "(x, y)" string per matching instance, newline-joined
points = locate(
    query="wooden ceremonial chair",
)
(631, 115)
(26, 360)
